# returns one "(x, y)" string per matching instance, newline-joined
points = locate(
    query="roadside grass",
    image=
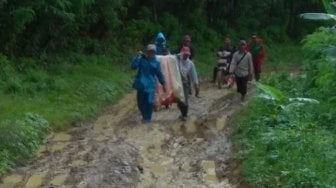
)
(283, 143)
(285, 57)
(284, 149)
(204, 64)
(36, 100)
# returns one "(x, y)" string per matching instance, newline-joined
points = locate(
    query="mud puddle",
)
(118, 151)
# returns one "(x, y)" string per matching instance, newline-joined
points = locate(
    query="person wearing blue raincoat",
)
(145, 81)
(161, 44)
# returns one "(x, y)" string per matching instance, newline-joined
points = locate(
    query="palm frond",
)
(318, 16)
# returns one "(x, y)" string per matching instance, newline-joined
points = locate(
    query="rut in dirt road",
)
(118, 151)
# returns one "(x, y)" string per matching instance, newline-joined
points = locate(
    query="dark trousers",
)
(145, 104)
(242, 85)
(215, 73)
(183, 106)
(189, 86)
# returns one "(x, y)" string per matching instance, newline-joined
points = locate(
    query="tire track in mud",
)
(118, 151)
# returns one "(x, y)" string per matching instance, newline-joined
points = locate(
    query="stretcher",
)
(174, 88)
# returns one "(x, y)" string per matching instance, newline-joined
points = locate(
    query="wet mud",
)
(117, 150)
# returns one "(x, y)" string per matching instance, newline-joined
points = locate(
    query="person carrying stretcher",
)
(187, 70)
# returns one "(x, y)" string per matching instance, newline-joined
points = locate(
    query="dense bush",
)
(19, 136)
(287, 135)
(35, 28)
(283, 144)
(322, 73)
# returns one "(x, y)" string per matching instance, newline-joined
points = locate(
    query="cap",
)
(254, 35)
(151, 47)
(242, 42)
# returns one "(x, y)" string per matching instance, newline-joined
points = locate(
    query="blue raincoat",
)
(160, 43)
(144, 83)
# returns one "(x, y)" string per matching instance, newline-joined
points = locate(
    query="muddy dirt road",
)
(118, 151)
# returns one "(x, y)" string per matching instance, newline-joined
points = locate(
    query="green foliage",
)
(34, 28)
(144, 28)
(283, 143)
(322, 71)
(4, 162)
(283, 81)
(317, 44)
(284, 57)
(20, 136)
(290, 141)
(35, 100)
(330, 6)
(274, 93)
(321, 68)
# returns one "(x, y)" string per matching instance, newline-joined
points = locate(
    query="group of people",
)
(243, 62)
(149, 72)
